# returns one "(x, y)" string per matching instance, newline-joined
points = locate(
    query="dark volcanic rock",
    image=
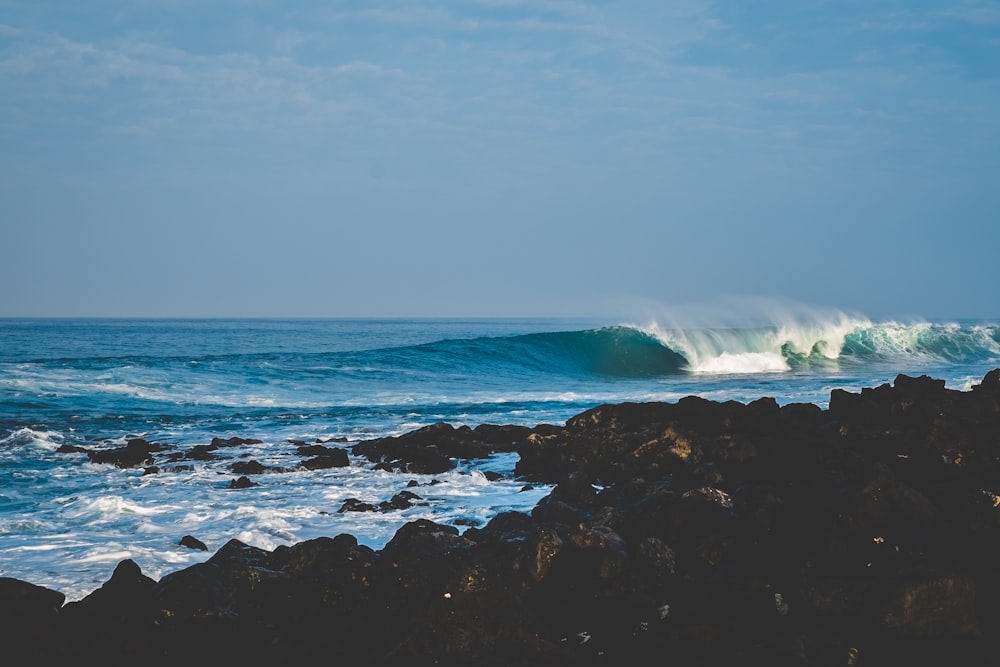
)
(242, 483)
(422, 461)
(234, 442)
(688, 533)
(253, 467)
(202, 452)
(29, 617)
(429, 450)
(400, 501)
(316, 450)
(331, 458)
(136, 453)
(355, 505)
(193, 543)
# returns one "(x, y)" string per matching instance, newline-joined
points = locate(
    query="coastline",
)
(695, 531)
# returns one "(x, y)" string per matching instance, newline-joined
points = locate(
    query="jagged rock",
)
(234, 442)
(355, 505)
(429, 450)
(193, 543)
(332, 458)
(202, 452)
(400, 501)
(685, 533)
(253, 467)
(243, 482)
(138, 452)
(19, 597)
(422, 461)
(124, 599)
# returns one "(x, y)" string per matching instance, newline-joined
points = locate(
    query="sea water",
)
(65, 522)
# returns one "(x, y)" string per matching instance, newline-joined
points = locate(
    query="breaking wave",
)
(654, 351)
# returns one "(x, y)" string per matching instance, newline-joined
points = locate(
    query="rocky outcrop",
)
(432, 449)
(692, 533)
(137, 452)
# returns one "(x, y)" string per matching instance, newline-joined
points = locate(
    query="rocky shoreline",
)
(690, 533)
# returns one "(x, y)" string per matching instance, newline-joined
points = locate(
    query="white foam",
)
(29, 438)
(749, 362)
(723, 345)
(97, 515)
(104, 557)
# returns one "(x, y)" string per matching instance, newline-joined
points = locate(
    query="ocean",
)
(66, 522)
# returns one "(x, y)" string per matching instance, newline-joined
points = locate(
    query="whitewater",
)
(66, 522)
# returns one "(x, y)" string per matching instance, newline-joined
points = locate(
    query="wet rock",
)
(234, 442)
(202, 452)
(253, 467)
(421, 461)
(400, 501)
(138, 452)
(686, 533)
(355, 505)
(333, 458)
(193, 543)
(316, 450)
(243, 482)
(429, 450)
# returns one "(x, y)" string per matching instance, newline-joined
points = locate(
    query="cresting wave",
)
(790, 347)
(652, 350)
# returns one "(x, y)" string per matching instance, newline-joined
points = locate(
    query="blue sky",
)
(497, 157)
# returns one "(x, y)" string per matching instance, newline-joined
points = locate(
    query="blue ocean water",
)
(65, 522)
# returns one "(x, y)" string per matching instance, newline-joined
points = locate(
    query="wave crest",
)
(776, 348)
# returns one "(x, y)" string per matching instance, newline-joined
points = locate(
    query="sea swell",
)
(650, 351)
(622, 351)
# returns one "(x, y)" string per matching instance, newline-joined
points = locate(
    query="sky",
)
(229, 158)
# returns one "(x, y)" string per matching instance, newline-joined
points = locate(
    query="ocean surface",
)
(65, 522)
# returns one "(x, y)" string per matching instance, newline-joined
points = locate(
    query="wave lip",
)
(936, 342)
(780, 347)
